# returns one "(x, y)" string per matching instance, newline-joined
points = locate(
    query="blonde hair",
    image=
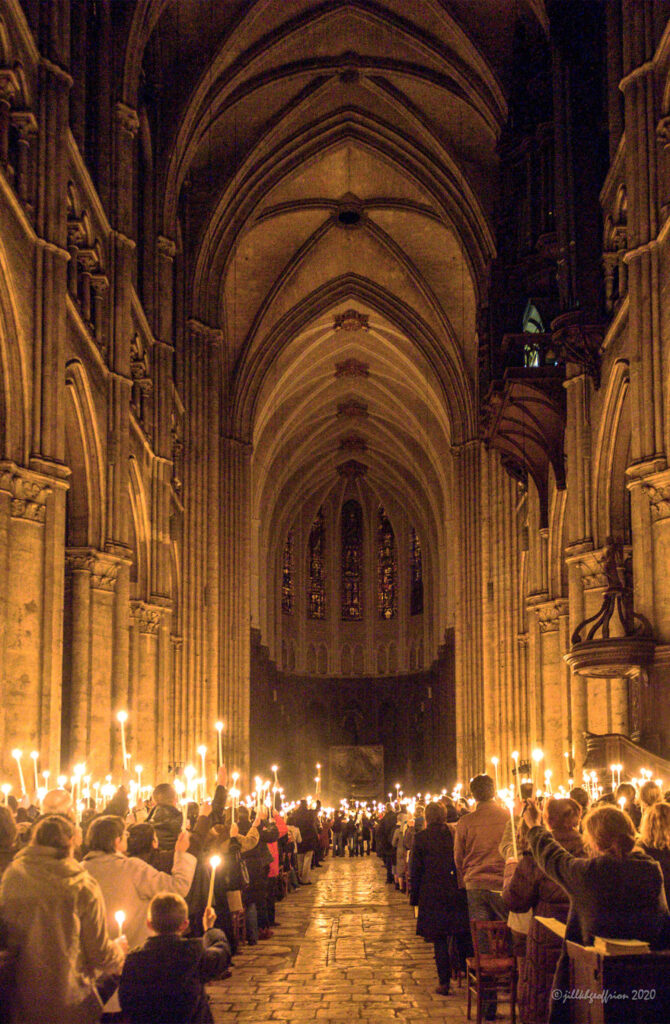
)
(610, 830)
(167, 913)
(650, 794)
(655, 826)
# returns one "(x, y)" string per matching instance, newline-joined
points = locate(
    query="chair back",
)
(491, 939)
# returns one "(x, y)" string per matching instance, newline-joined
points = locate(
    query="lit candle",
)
(547, 783)
(494, 762)
(5, 790)
(622, 802)
(34, 755)
(138, 769)
(538, 755)
(274, 772)
(515, 758)
(219, 742)
(17, 755)
(122, 718)
(120, 917)
(235, 793)
(213, 863)
(510, 808)
(202, 750)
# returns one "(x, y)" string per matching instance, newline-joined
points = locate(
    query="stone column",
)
(554, 731)
(235, 461)
(30, 697)
(147, 619)
(79, 566)
(468, 614)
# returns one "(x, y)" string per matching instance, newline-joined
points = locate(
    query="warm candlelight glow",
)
(120, 918)
(213, 863)
(219, 726)
(122, 717)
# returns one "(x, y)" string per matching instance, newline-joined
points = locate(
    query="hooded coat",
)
(434, 885)
(55, 915)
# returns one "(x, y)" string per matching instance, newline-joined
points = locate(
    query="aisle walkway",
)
(346, 950)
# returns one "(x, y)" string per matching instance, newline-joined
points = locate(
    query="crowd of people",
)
(600, 869)
(127, 914)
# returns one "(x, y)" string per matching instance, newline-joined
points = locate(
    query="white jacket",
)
(55, 914)
(128, 884)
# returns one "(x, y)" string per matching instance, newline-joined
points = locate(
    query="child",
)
(165, 979)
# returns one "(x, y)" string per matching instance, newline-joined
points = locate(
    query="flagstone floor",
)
(345, 951)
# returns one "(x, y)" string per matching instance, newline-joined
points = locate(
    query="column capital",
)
(549, 613)
(29, 492)
(166, 247)
(147, 616)
(126, 119)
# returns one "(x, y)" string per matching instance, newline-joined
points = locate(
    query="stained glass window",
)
(352, 560)
(287, 591)
(387, 571)
(316, 576)
(415, 574)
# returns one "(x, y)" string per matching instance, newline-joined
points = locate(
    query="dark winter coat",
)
(168, 822)
(386, 827)
(258, 861)
(165, 979)
(530, 889)
(306, 821)
(663, 858)
(434, 886)
(615, 898)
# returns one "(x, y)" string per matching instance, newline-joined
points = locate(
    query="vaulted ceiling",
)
(321, 157)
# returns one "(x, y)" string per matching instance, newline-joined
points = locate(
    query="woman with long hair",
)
(655, 838)
(530, 889)
(617, 892)
(55, 916)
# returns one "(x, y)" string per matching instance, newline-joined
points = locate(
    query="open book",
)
(620, 947)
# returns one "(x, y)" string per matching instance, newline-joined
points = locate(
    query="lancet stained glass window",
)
(387, 570)
(415, 574)
(352, 560)
(287, 591)
(316, 575)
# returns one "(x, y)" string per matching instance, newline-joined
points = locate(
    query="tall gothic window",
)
(387, 570)
(352, 560)
(415, 574)
(316, 594)
(287, 588)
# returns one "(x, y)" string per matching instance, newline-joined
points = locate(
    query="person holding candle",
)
(527, 888)
(55, 916)
(166, 815)
(165, 979)
(128, 883)
(617, 892)
(628, 792)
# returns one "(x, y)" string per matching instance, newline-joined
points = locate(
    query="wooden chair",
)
(492, 968)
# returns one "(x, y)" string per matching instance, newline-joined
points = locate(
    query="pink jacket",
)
(478, 834)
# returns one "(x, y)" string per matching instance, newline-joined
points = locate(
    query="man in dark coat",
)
(443, 912)
(387, 827)
(166, 817)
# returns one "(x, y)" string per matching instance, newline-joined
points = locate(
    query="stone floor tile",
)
(346, 951)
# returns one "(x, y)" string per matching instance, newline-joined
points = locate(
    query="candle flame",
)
(119, 917)
(18, 754)
(219, 726)
(122, 716)
(214, 862)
